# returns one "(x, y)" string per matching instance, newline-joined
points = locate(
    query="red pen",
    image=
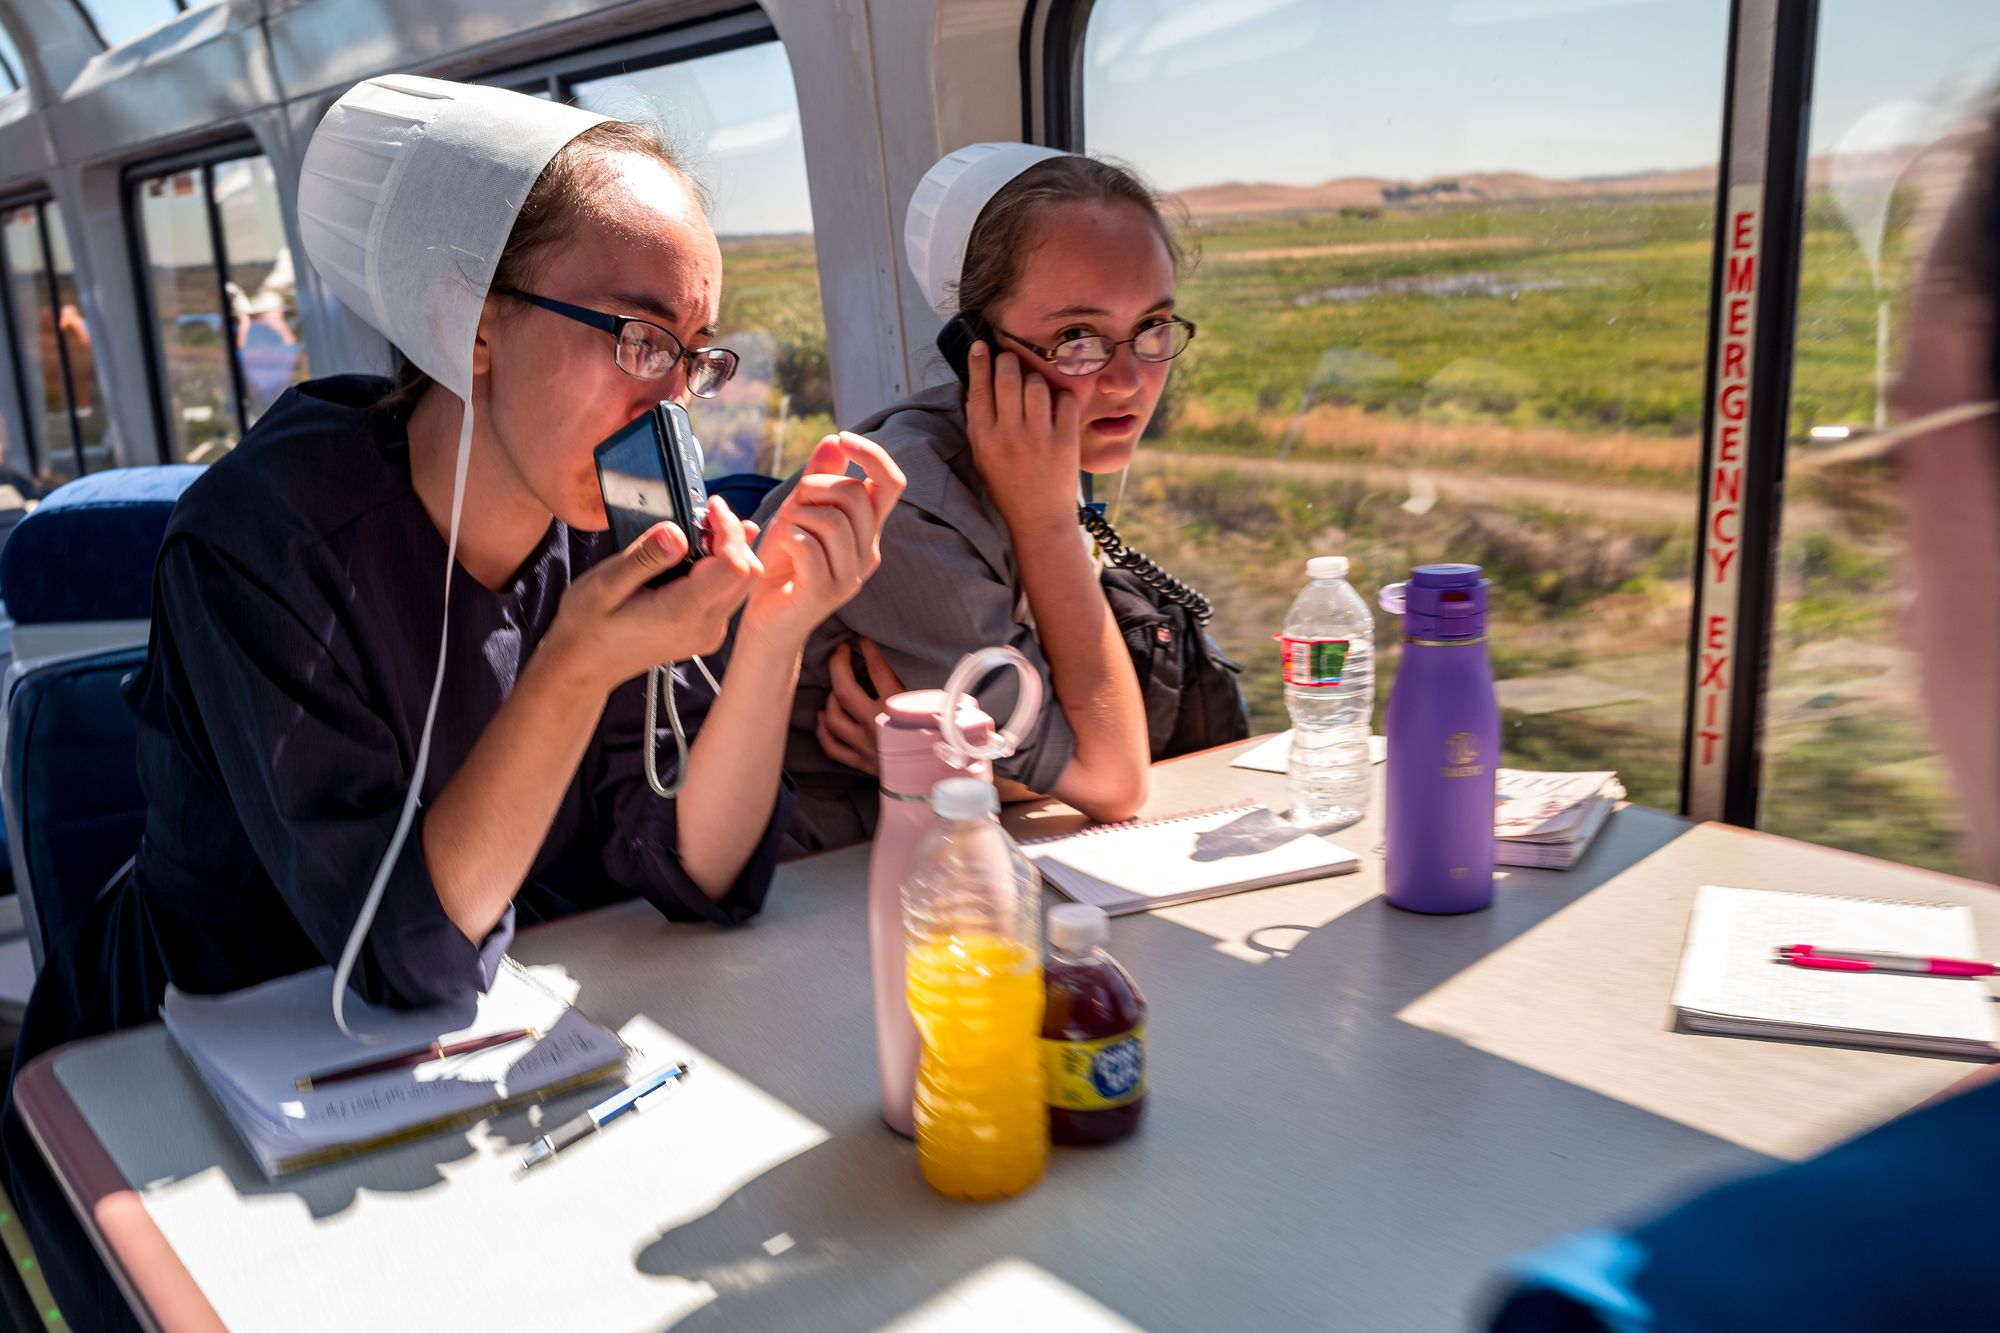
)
(1873, 960)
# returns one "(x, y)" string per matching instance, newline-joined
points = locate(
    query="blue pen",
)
(602, 1114)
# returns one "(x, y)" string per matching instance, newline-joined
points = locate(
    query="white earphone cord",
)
(660, 680)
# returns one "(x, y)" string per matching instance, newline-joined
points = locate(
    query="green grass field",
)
(1517, 385)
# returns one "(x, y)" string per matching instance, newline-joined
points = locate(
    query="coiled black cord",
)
(1149, 572)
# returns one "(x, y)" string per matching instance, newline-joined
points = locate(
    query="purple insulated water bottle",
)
(1444, 745)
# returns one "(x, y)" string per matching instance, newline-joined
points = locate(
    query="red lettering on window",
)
(1737, 325)
(1739, 235)
(1735, 361)
(1731, 402)
(1722, 559)
(1708, 740)
(1731, 439)
(1716, 627)
(1714, 701)
(1742, 277)
(1711, 670)
(1728, 485)
(1715, 526)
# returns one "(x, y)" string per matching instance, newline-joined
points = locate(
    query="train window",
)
(1452, 297)
(54, 363)
(736, 114)
(224, 300)
(1848, 759)
(119, 21)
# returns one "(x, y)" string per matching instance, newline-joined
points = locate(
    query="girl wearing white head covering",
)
(1059, 270)
(331, 778)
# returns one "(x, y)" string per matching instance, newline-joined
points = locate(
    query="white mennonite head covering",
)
(407, 196)
(406, 199)
(947, 204)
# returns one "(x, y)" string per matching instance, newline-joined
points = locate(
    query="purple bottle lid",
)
(1440, 602)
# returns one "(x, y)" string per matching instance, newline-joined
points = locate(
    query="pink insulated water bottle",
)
(917, 750)
(908, 742)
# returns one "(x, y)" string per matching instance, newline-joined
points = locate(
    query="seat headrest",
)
(87, 551)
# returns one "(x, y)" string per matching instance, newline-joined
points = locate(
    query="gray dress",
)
(948, 585)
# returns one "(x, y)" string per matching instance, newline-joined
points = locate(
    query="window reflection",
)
(188, 316)
(225, 325)
(119, 21)
(737, 112)
(92, 421)
(57, 361)
(1897, 103)
(263, 292)
(1453, 295)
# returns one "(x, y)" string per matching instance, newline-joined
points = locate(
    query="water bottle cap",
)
(1327, 567)
(960, 799)
(1075, 927)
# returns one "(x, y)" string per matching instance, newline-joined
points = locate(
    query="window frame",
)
(90, 19)
(203, 159)
(33, 410)
(1774, 97)
(676, 44)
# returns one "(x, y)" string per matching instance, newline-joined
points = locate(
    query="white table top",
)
(1357, 1114)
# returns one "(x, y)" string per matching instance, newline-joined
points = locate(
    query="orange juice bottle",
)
(973, 916)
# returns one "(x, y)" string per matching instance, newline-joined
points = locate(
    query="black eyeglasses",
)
(644, 349)
(1086, 356)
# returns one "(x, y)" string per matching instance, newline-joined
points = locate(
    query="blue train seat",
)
(76, 576)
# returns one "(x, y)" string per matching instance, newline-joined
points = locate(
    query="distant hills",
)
(1246, 199)
(1930, 171)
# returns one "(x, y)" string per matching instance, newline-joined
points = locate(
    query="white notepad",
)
(1729, 982)
(1157, 862)
(251, 1046)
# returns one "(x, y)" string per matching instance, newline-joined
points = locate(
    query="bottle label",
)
(1313, 663)
(1096, 1075)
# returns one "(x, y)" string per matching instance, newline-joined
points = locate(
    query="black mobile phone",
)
(650, 470)
(955, 341)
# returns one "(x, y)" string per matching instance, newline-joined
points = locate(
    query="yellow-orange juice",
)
(982, 1122)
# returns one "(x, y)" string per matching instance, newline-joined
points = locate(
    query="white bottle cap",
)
(1327, 567)
(964, 798)
(1075, 927)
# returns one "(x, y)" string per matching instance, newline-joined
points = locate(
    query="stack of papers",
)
(1147, 863)
(1546, 820)
(251, 1047)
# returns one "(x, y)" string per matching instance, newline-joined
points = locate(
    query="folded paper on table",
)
(1148, 863)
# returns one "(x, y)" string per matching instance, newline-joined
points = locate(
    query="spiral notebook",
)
(250, 1047)
(1730, 982)
(1147, 863)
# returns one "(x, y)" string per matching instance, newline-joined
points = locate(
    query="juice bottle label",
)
(1310, 663)
(1096, 1075)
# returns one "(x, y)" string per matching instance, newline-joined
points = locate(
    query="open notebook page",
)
(1728, 972)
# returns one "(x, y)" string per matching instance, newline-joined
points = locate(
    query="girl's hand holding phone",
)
(825, 540)
(611, 626)
(1024, 436)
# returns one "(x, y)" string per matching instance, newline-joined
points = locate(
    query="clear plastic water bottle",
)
(1329, 659)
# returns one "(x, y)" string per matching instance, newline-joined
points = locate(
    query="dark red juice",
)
(1094, 1044)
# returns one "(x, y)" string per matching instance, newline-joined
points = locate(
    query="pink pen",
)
(1872, 960)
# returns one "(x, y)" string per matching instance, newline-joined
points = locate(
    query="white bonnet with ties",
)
(946, 206)
(408, 193)
(407, 196)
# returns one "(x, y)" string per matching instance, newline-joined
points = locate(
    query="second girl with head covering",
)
(1058, 271)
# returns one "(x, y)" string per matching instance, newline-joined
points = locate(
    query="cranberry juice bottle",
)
(1093, 1032)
